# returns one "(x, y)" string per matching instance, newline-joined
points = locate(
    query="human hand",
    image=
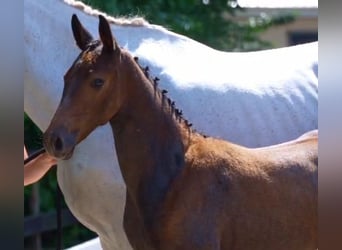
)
(45, 160)
(37, 168)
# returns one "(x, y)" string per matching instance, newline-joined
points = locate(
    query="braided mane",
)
(177, 113)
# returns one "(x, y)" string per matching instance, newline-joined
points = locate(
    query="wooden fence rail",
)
(37, 224)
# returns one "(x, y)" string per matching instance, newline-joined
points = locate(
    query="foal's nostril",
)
(58, 144)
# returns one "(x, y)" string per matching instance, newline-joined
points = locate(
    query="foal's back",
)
(232, 197)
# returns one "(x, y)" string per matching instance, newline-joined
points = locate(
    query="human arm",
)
(37, 168)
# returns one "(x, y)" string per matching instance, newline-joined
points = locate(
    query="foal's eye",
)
(97, 83)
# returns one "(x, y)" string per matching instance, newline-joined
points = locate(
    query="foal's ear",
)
(81, 35)
(108, 41)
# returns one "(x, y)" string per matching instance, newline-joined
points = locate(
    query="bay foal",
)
(184, 190)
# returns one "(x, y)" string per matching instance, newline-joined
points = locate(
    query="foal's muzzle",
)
(60, 143)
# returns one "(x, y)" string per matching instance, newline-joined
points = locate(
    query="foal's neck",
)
(150, 142)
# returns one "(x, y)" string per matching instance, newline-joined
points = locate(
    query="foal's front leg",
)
(133, 226)
(186, 244)
(190, 236)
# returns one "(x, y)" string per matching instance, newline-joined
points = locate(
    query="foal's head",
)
(93, 90)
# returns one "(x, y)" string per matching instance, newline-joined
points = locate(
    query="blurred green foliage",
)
(209, 22)
(32, 134)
